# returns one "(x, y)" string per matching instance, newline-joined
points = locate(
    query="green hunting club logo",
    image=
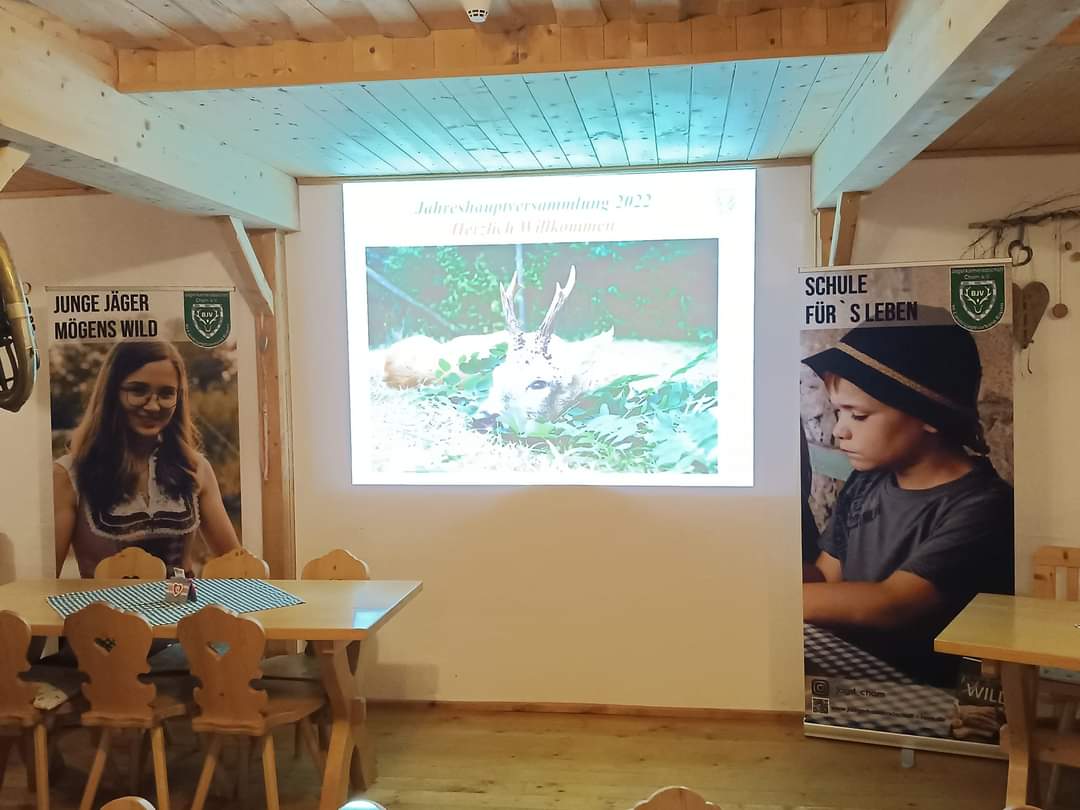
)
(978, 296)
(207, 320)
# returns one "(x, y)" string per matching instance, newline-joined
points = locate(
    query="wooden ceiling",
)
(324, 88)
(185, 24)
(677, 115)
(355, 88)
(1037, 108)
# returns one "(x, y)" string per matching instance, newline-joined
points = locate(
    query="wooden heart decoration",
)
(1029, 306)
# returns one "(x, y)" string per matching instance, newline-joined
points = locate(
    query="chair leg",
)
(161, 768)
(207, 773)
(5, 750)
(41, 766)
(94, 779)
(26, 751)
(297, 741)
(1065, 725)
(307, 730)
(243, 770)
(270, 772)
(136, 762)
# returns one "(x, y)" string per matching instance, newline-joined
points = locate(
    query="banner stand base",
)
(967, 749)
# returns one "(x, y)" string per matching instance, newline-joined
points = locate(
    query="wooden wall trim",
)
(275, 411)
(607, 709)
(779, 33)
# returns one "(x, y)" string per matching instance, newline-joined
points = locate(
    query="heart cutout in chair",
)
(218, 649)
(106, 644)
(1029, 306)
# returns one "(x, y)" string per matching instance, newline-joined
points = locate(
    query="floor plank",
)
(433, 758)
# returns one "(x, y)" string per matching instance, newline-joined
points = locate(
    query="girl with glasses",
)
(134, 474)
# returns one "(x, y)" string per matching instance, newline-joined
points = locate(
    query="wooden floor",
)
(433, 758)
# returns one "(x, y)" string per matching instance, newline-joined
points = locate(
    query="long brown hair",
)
(104, 465)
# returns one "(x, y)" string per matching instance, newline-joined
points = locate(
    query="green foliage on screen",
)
(664, 290)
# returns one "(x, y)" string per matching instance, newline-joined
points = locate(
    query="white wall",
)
(644, 596)
(104, 240)
(923, 214)
(619, 596)
(653, 596)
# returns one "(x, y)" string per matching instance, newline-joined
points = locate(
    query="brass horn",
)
(18, 349)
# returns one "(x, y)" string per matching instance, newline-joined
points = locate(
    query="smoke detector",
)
(477, 10)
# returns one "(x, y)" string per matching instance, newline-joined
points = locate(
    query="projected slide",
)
(552, 330)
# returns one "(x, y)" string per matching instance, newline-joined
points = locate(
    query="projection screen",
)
(570, 329)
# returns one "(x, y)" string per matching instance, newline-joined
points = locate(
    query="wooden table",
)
(1019, 634)
(333, 614)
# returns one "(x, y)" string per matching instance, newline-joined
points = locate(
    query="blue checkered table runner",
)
(148, 598)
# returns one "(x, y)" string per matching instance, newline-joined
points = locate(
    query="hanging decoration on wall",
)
(1029, 306)
(927, 352)
(1020, 251)
(137, 404)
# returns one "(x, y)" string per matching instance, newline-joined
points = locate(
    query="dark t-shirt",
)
(958, 536)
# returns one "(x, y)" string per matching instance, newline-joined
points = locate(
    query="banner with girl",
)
(906, 436)
(145, 424)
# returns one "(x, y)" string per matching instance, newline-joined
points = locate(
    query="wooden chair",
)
(128, 803)
(338, 564)
(30, 704)
(225, 650)
(675, 798)
(131, 563)
(236, 564)
(134, 563)
(111, 647)
(1057, 686)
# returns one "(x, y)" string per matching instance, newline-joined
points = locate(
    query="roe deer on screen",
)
(542, 374)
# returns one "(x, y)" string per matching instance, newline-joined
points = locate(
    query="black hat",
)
(929, 372)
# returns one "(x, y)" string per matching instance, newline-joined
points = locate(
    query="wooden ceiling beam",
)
(57, 102)
(540, 48)
(647, 11)
(245, 270)
(845, 219)
(579, 12)
(944, 56)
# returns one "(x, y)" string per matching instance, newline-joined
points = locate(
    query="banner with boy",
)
(145, 424)
(907, 501)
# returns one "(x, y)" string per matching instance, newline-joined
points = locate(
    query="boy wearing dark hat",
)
(924, 522)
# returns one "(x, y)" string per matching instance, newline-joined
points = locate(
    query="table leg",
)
(1020, 683)
(350, 759)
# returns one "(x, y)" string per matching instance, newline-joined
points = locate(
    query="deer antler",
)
(507, 294)
(547, 326)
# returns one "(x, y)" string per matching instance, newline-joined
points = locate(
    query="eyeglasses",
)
(137, 395)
